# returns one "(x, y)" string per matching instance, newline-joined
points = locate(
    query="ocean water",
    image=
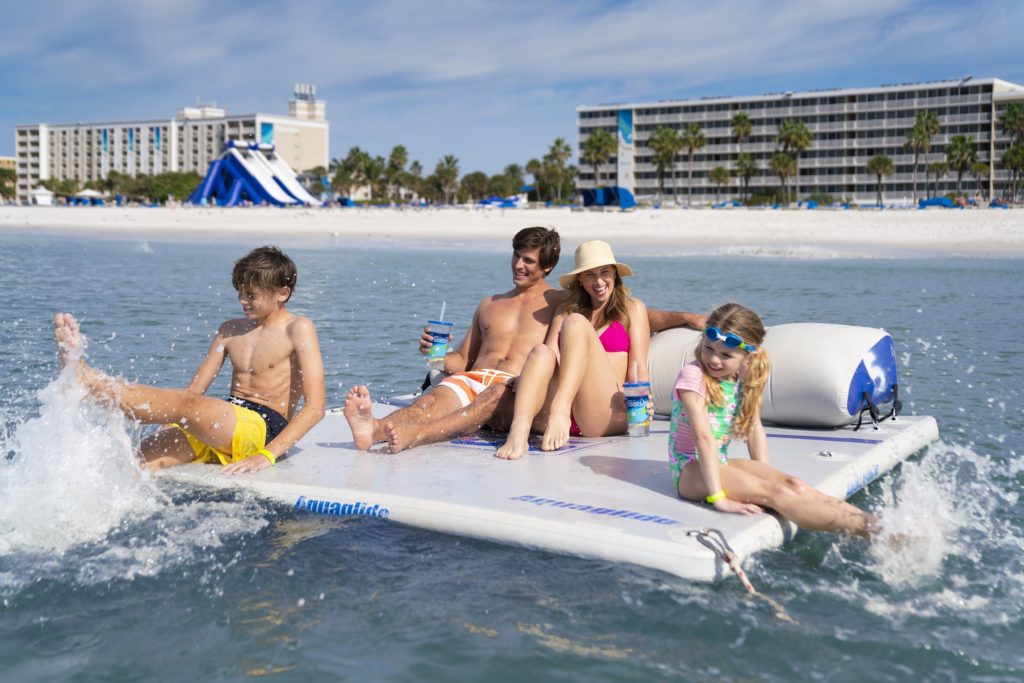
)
(106, 574)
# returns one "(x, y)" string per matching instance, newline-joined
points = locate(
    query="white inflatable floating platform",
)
(612, 498)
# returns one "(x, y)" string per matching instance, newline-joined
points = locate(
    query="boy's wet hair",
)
(546, 240)
(265, 269)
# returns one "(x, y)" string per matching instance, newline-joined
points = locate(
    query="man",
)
(505, 328)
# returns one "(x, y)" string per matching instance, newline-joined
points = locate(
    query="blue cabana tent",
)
(609, 196)
(944, 202)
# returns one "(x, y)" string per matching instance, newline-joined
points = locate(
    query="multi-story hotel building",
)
(187, 142)
(849, 126)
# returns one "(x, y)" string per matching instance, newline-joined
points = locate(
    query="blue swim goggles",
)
(732, 341)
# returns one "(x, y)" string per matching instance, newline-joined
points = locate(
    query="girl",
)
(572, 383)
(718, 396)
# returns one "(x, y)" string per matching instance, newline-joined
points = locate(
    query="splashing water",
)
(947, 510)
(71, 475)
(918, 522)
(77, 505)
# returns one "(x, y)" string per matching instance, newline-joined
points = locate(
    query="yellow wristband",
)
(715, 497)
(268, 455)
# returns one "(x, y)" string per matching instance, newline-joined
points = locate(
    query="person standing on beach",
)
(275, 364)
(505, 328)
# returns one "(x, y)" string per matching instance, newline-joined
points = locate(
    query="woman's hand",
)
(736, 507)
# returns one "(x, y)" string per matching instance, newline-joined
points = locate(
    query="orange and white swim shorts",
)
(468, 385)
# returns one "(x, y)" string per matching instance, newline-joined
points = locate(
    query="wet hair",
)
(546, 240)
(616, 309)
(265, 269)
(740, 320)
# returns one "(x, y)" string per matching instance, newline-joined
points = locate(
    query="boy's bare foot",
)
(401, 436)
(515, 446)
(68, 336)
(557, 433)
(359, 414)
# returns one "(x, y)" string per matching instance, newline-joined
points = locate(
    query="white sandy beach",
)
(817, 233)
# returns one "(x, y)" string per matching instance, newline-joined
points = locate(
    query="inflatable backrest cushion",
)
(820, 372)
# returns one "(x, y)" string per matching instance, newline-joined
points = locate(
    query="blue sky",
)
(491, 82)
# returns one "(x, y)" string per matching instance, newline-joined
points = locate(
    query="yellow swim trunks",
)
(249, 437)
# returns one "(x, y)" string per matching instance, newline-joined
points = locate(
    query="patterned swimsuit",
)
(682, 446)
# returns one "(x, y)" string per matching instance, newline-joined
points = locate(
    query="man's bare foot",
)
(515, 446)
(359, 413)
(401, 436)
(68, 336)
(556, 434)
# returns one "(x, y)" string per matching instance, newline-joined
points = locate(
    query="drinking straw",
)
(635, 376)
(443, 304)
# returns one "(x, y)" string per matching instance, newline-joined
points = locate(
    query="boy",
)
(275, 363)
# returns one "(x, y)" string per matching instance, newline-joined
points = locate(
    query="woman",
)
(571, 385)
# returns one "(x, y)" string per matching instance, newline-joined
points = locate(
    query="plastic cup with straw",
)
(440, 332)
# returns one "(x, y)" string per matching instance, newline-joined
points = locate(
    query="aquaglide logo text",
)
(338, 509)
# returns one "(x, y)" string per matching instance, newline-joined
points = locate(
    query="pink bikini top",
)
(614, 338)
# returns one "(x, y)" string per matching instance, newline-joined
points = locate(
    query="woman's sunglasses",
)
(733, 341)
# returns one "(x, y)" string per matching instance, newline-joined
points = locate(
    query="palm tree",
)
(919, 138)
(746, 168)
(515, 171)
(741, 128)
(413, 179)
(349, 173)
(719, 177)
(1011, 121)
(961, 155)
(597, 149)
(8, 177)
(373, 172)
(662, 162)
(939, 169)
(794, 137)
(693, 139)
(783, 166)
(1013, 161)
(534, 168)
(664, 144)
(880, 166)
(447, 174)
(560, 152)
(554, 175)
(397, 160)
(979, 169)
(476, 184)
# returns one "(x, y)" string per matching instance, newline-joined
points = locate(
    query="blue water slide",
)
(253, 187)
(250, 186)
(235, 195)
(204, 188)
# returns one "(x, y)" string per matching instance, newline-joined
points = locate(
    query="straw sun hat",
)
(593, 255)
